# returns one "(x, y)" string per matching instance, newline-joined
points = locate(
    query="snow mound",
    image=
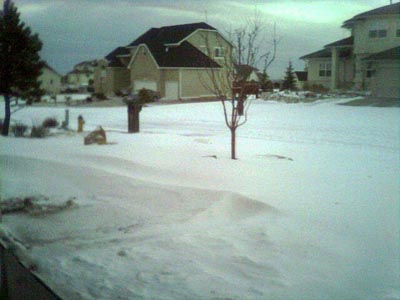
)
(234, 207)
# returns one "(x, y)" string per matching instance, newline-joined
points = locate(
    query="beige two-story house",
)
(82, 75)
(183, 61)
(367, 60)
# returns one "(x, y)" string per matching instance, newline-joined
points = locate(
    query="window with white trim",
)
(325, 70)
(378, 29)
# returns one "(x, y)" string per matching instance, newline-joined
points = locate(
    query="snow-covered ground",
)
(309, 211)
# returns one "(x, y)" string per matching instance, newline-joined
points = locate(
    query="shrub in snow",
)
(316, 88)
(19, 129)
(100, 96)
(38, 132)
(50, 123)
(144, 96)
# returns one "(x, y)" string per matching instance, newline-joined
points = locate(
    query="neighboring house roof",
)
(86, 63)
(244, 71)
(169, 48)
(170, 34)
(391, 54)
(46, 65)
(347, 42)
(112, 56)
(301, 75)
(324, 53)
(183, 56)
(391, 9)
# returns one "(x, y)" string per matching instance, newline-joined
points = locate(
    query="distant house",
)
(246, 73)
(364, 59)
(174, 60)
(50, 80)
(82, 75)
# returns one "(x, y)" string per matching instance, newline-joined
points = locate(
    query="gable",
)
(203, 39)
(143, 58)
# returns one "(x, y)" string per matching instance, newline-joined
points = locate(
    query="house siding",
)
(144, 68)
(387, 75)
(168, 75)
(363, 44)
(313, 72)
(203, 40)
(122, 79)
(100, 77)
(117, 79)
(50, 81)
(196, 83)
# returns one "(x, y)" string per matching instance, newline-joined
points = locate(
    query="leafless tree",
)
(220, 81)
(252, 45)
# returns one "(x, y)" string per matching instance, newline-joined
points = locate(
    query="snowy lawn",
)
(309, 211)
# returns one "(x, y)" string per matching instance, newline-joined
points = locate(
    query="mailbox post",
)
(134, 109)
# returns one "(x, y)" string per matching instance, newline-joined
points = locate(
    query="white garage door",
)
(171, 90)
(143, 84)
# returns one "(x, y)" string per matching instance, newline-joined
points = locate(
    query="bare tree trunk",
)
(7, 117)
(233, 143)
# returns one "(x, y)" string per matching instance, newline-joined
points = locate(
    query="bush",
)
(316, 88)
(19, 129)
(50, 123)
(100, 96)
(144, 96)
(38, 132)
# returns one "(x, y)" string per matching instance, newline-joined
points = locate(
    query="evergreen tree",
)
(290, 80)
(20, 64)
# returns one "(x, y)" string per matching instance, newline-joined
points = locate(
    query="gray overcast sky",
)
(77, 30)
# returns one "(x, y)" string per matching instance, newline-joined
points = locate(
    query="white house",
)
(366, 60)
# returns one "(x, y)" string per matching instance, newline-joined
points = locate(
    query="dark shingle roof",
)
(244, 71)
(393, 53)
(342, 43)
(324, 53)
(170, 34)
(112, 56)
(301, 75)
(183, 55)
(391, 9)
